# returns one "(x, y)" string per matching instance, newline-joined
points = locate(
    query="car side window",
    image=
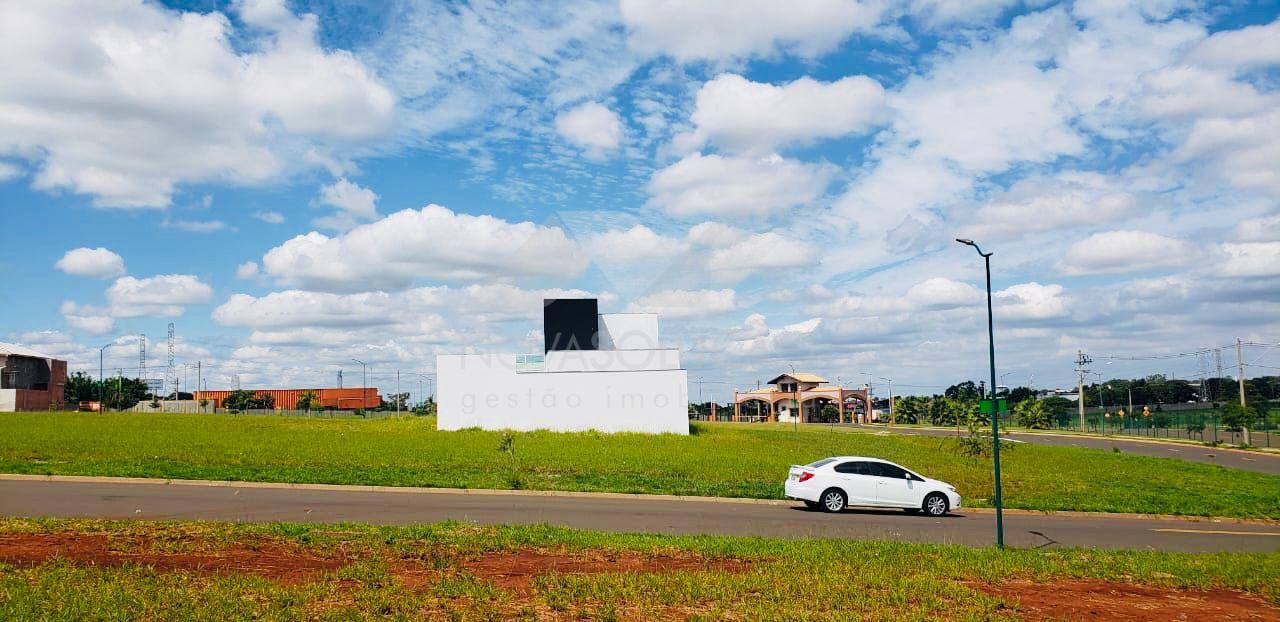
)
(852, 468)
(889, 470)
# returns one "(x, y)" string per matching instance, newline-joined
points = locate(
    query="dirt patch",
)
(271, 560)
(1110, 600)
(517, 569)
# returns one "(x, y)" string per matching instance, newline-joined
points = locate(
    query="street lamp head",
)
(965, 242)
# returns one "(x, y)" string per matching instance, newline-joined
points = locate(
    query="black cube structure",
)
(570, 324)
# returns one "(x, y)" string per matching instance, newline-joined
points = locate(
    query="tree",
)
(80, 388)
(249, 400)
(910, 409)
(1031, 414)
(307, 401)
(966, 390)
(829, 414)
(1238, 417)
(1018, 394)
(123, 393)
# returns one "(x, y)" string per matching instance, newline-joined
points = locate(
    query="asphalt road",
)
(1236, 459)
(261, 503)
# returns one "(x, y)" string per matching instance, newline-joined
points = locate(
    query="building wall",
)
(628, 331)
(607, 391)
(48, 374)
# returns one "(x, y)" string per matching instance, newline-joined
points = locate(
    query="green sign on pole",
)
(984, 406)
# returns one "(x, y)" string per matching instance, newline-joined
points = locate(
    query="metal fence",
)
(1196, 425)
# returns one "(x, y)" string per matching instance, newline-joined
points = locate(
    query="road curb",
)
(1126, 439)
(97, 479)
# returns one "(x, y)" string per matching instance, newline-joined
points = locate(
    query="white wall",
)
(485, 391)
(628, 331)
(8, 400)
(612, 360)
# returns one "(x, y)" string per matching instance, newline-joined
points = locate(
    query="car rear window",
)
(821, 463)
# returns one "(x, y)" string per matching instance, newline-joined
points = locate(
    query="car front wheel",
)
(935, 504)
(833, 500)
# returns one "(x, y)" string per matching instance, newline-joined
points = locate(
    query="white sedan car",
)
(836, 483)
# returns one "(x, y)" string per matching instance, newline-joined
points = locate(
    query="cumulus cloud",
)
(1113, 252)
(679, 303)
(247, 270)
(354, 204)
(761, 251)
(123, 101)
(1253, 259)
(591, 126)
(429, 243)
(87, 319)
(745, 28)
(733, 186)
(637, 244)
(98, 263)
(737, 114)
(164, 295)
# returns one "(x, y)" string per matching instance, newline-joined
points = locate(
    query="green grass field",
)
(734, 460)
(98, 570)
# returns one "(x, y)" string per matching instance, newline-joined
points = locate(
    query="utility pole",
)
(397, 391)
(199, 378)
(1240, 376)
(1082, 359)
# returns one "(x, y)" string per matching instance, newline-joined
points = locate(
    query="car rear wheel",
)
(935, 504)
(833, 500)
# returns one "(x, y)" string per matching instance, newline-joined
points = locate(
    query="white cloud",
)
(628, 246)
(1125, 251)
(429, 243)
(721, 30)
(1241, 151)
(942, 293)
(1050, 204)
(1266, 229)
(355, 204)
(88, 319)
(195, 226)
(714, 234)
(591, 126)
(762, 251)
(8, 172)
(1030, 301)
(269, 217)
(735, 113)
(126, 100)
(680, 303)
(98, 263)
(163, 295)
(247, 270)
(1254, 259)
(1245, 47)
(753, 327)
(729, 186)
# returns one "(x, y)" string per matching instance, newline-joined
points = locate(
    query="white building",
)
(603, 372)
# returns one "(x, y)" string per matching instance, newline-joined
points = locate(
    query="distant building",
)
(604, 372)
(30, 380)
(287, 399)
(800, 395)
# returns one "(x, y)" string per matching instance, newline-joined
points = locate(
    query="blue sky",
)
(294, 184)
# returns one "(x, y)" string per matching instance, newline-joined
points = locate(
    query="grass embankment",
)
(717, 460)
(78, 570)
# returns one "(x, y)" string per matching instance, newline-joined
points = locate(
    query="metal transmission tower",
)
(142, 357)
(1082, 359)
(339, 378)
(172, 372)
(1217, 384)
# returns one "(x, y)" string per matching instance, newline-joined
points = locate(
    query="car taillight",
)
(806, 476)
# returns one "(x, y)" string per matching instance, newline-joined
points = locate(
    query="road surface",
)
(616, 513)
(1232, 458)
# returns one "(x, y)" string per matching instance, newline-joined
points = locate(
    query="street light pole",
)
(102, 393)
(364, 382)
(995, 405)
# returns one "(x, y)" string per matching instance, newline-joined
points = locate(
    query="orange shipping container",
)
(287, 399)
